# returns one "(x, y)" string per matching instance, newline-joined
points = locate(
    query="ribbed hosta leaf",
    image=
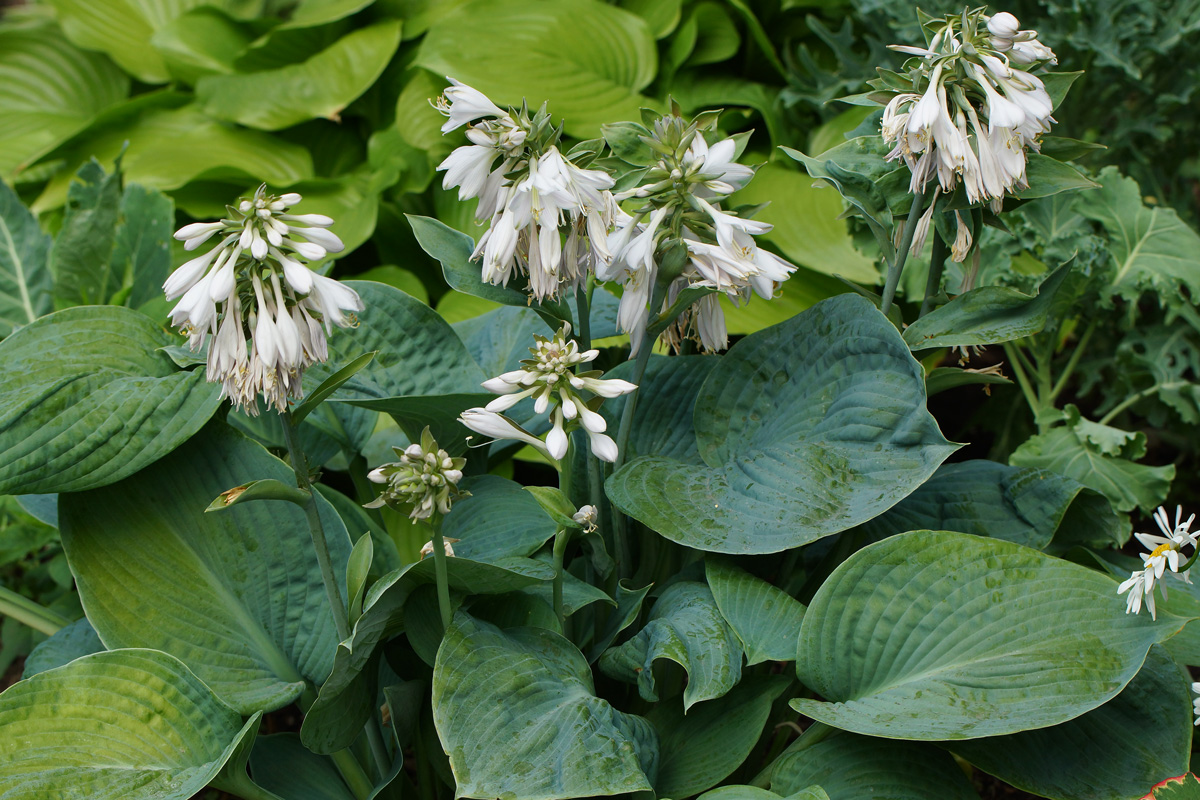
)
(1120, 749)
(236, 595)
(553, 738)
(765, 618)
(321, 86)
(587, 59)
(802, 430)
(499, 519)
(25, 280)
(49, 91)
(121, 725)
(69, 643)
(937, 635)
(87, 398)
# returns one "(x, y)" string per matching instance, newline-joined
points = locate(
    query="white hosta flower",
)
(1004, 25)
(462, 104)
(1165, 555)
(498, 426)
(586, 517)
(260, 347)
(1196, 703)
(425, 477)
(716, 163)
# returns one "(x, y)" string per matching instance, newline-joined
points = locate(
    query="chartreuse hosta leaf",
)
(686, 627)
(851, 766)
(88, 398)
(765, 619)
(804, 429)
(1120, 749)
(938, 635)
(120, 725)
(588, 60)
(518, 715)
(236, 595)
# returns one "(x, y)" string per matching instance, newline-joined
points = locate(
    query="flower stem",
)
(1022, 379)
(320, 544)
(897, 265)
(560, 547)
(27, 612)
(345, 762)
(1142, 395)
(936, 264)
(623, 433)
(1073, 361)
(439, 571)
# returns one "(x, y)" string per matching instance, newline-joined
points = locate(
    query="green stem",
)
(320, 544)
(1143, 394)
(584, 334)
(379, 751)
(1073, 361)
(626, 427)
(439, 570)
(27, 612)
(347, 765)
(560, 547)
(937, 264)
(897, 265)
(1022, 379)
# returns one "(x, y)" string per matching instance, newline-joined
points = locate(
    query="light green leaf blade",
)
(237, 596)
(699, 749)
(204, 41)
(1120, 749)
(1152, 248)
(556, 739)
(937, 635)
(124, 28)
(804, 430)
(586, 59)
(71, 642)
(49, 91)
(849, 766)
(765, 618)
(25, 281)
(308, 13)
(685, 626)
(319, 87)
(125, 725)
(107, 404)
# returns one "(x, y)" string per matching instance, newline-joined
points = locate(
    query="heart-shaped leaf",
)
(938, 635)
(805, 429)
(236, 595)
(106, 405)
(765, 618)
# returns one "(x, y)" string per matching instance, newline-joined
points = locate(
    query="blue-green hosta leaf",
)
(344, 704)
(499, 519)
(765, 619)
(849, 766)
(804, 430)
(236, 595)
(685, 626)
(70, 642)
(82, 251)
(319, 87)
(1152, 249)
(1120, 749)
(555, 739)
(1018, 504)
(699, 749)
(49, 91)
(741, 792)
(666, 401)
(25, 280)
(987, 315)
(281, 764)
(938, 635)
(586, 59)
(120, 725)
(87, 399)
(123, 28)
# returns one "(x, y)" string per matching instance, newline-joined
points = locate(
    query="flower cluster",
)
(1165, 553)
(267, 312)
(426, 477)
(972, 111)
(682, 194)
(549, 378)
(530, 196)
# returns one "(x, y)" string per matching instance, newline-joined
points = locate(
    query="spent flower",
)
(267, 312)
(425, 477)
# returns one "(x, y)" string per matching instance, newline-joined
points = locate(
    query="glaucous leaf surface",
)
(1120, 749)
(588, 60)
(1018, 504)
(70, 642)
(937, 635)
(666, 402)
(555, 739)
(119, 725)
(236, 595)
(755, 793)
(105, 405)
(699, 749)
(26, 284)
(802, 430)
(319, 87)
(498, 520)
(49, 91)
(684, 626)
(764, 618)
(846, 765)
(281, 764)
